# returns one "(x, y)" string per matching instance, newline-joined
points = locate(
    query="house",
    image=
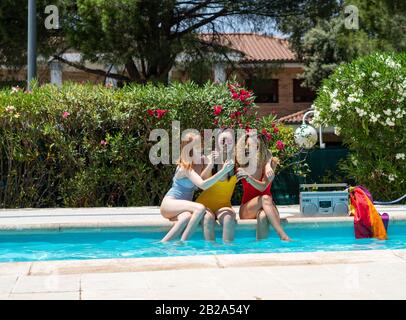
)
(265, 64)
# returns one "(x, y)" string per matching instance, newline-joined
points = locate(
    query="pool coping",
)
(55, 226)
(134, 217)
(70, 267)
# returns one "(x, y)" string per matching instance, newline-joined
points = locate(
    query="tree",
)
(323, 43)
(13, 32)
(144, 36)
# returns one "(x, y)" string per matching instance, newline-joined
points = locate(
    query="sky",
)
(232, 25)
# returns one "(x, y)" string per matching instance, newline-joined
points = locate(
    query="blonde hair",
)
(185, 161)
(262, 156)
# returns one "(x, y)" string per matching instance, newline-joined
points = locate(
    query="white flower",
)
(337, 131)
(390, 122)
(334, 94)
(389, 61)
(387, 112)
(360, 112)
(374, 118)
(375, 74)
(10, 108)
(335, 105)
(339, 117)
(15, 89)
(352, 99)
(392, 177)
(400, 156)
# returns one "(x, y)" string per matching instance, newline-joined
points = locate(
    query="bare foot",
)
(285, 238)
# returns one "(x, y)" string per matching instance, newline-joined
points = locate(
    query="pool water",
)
(80, 244)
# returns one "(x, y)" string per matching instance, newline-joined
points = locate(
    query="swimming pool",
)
(78, 244)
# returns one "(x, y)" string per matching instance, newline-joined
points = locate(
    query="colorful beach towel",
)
(368, 222)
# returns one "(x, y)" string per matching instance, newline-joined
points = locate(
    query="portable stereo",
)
(324, 202)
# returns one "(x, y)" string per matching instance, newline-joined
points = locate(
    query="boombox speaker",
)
(324, 202)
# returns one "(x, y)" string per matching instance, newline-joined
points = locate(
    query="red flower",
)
(280, 145)
(236, 114)
(235, 95)
(215, 122)
(266, 134)
(217, 110)
(275, 130)
(160, 113)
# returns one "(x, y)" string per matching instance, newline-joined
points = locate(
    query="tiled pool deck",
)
(312, 275)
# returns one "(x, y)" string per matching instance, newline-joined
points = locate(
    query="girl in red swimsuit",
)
(257, 199)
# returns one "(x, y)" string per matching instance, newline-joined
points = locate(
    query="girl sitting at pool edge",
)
(257, 200)
(217, 198)
(177, 203)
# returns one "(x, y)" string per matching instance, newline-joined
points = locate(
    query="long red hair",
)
(185, 160)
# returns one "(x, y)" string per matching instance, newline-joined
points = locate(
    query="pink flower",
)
(280, 145)
(65, 115)
(103, 143)
(217, 110)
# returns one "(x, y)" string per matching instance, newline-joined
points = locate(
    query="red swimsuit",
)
(249, 192)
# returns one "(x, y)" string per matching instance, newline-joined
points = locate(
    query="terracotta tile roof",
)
(296, 118)
(254, 47)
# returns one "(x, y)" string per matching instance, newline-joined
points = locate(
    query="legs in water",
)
(209, 223)
(178, 227)
(226, 218)
(188, 214)
(262, 225)
(259, 206)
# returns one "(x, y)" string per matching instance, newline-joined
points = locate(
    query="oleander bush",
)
(85, 145)
(365, 101)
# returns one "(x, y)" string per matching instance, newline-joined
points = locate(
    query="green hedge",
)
(95, 154)
(85, 145)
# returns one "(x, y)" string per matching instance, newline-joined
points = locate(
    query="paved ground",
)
(340, 275)
(312, 275)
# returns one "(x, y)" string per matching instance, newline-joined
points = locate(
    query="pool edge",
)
(64, 267)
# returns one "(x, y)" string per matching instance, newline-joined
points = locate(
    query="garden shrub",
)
(365, 101)
(85, 145)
